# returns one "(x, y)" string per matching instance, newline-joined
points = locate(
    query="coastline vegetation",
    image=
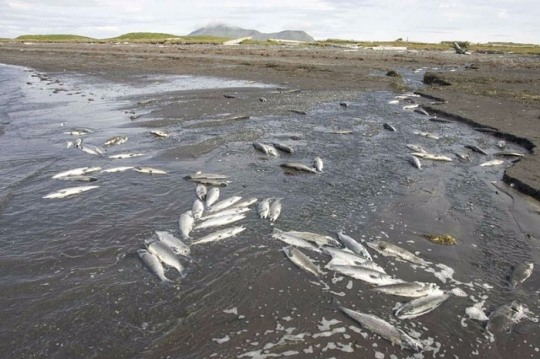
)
(163, 38)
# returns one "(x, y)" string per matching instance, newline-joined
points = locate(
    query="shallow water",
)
(73, 286)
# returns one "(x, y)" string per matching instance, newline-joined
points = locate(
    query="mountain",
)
(234, 32)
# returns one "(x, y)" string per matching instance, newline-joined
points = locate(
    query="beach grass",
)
(55, 38)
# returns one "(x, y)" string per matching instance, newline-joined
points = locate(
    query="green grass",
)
(142, 36)
(55, 38)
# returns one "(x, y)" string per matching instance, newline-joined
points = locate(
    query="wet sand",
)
(493, 90)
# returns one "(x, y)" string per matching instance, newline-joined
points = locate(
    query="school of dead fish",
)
(346, 255)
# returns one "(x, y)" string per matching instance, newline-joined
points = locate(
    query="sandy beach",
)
(498, 91)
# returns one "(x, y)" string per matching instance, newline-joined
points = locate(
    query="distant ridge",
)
(234, 32)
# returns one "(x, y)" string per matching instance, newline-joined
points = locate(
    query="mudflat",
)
(495, 92)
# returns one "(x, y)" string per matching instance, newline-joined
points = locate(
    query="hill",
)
(54, 38)
(234, 32)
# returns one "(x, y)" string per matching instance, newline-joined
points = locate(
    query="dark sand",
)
(492, 90)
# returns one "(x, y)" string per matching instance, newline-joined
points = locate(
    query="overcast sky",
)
(416, 20)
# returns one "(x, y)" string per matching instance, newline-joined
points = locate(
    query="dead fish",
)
(219, 235)
(421, 111)
(67, 192)
(212, 196)
(301, 260)
(476, 149)
(344, 104)
(298, 167)
(343, 132)
(245, 203)
(283, 147)
(76, 172)
(521, 273)
(210, 182)
(275, 210)
(92, 150)
(116, 169)
(226, 212)
(316, 238)
(492, 163)
(408, 289)
(410, 107)
(153, 263)
(125, 155)
(174, 243)
(504, 318)
(149, 170)
(389, 127)
(159, 133)
(166, 255)
(294, 241)
(426, 134)
(416, 148)
(463, 156)
(80, 178)
(364, 274)
(509, 154)
(318, 164)
(200, 191)
(260, 147)
(185, 223)
(116, 140)
(382, 328)
(264, 208)
(197, 209)
(300, 112)
(389, 249)
(220, 221)
(201, 175)
(354, 246)
(432, 157)
(440, 120)
(228, 202)
(272, 151)
(421, 306)
(414, 161)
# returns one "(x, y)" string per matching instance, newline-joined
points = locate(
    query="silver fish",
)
(298, 167)
(66, 192)
(122, 156)
(343, 256)
(219, 235)
(186, 222)
(212, 196)
(210, 182)
(382, 328)
(200, 175)
(284, 148)
(521, 273)
(93, 150)
(245, 203)
(318, 164)
(410, 107)
(275, 210)
(316, 238)
(81, 178)
(294, 241)
(149, 170)
(174, 243)
(422, 305)
(153, 263)
(301, 260)
(492, 163)
(426, 134)
(197, 209)
(389, 249)
(366, 264)
(166, 255)
(476, 149)
(220, 221)
(364, 274)
(271, 151)
(261, 147)
(264, 208)
(389, 127)
(226, 212)
(76, 172)
(159, 133)
(117, 169)
(463, 156)
(432, 157)
(200, 191)
(354, 246)
(509, 154)
(407, 289)
(421, 111)
(116, 140)
(228, 202)
(505, 317)
(415, 161)
(416, 148)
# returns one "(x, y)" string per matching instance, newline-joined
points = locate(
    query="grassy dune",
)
(55, 38)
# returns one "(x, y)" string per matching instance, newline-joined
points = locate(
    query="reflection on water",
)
(73, 286)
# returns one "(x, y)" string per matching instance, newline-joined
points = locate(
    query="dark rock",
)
(431, 78)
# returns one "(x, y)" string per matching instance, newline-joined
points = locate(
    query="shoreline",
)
(493, 91)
